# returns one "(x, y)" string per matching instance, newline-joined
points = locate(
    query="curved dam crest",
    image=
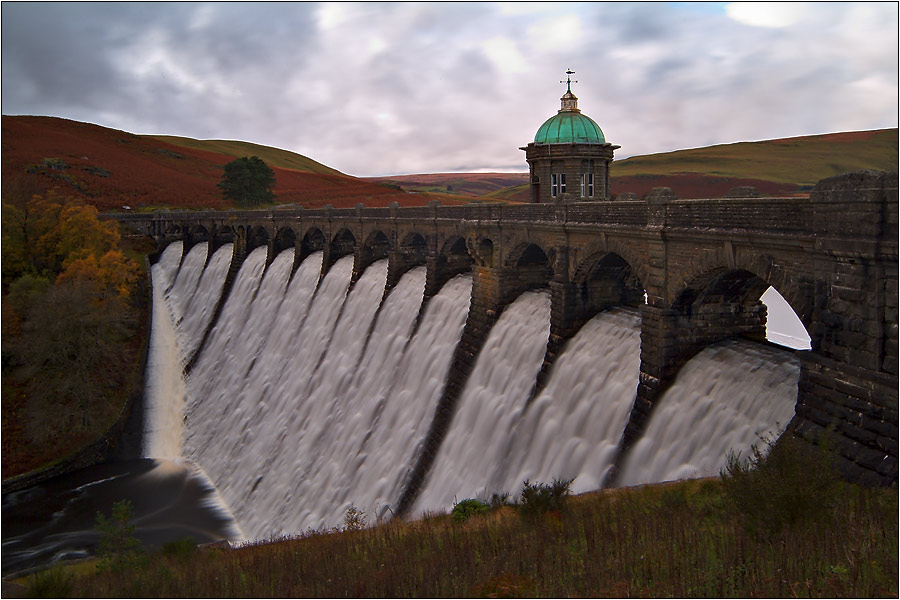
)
(313, 393)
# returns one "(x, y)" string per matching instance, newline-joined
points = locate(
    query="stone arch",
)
(342, 244)
(455, 255)
(173, 229)
(256, 236)
(700, 272)
(284, 238)
(199, 233)
(376, 245)
(595, 250)
(313, 241)
(605, 279)
(530, 266)
(482, 249)
(414, 249)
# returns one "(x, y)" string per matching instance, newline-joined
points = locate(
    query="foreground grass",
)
(679, 539)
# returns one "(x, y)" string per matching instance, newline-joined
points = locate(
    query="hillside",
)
(464, 184)
(782, 167)
(111, 168)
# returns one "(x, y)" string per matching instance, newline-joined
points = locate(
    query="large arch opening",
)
(257, 236)
(313, 241)
(531, 266)
(375, 247)
(342, 244)
(285, 238)
(725, 302)
(605, 280)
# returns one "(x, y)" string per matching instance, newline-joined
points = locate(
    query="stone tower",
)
(568, 161)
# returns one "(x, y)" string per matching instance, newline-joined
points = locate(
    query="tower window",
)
(562, 183)
(554, 184)
(590, 185)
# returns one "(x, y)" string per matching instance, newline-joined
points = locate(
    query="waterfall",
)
(572, 430)
(311, 395)
(185, 285)
(727, 398)
(191, 324)
(490, 405)
(164, 392)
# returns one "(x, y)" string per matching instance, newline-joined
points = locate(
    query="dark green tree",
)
(248, 181)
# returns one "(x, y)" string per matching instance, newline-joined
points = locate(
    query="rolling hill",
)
(111, 168)
(782, 167)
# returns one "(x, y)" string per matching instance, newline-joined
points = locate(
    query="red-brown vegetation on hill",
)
(110, 169)
(695, 185)
(466, 184)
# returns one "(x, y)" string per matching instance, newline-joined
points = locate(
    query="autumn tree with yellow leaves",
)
(69, 318)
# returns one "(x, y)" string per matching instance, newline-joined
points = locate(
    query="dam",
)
(398, 360)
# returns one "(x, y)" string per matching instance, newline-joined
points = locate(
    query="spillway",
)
(312, 394)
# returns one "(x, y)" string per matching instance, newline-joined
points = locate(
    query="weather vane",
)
(568, 81)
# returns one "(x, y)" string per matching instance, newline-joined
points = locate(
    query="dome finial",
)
(568, 81)
(569, 102)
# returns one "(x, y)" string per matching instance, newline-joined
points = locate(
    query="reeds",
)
(683, 539)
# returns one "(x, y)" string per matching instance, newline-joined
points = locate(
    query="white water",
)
(192, 324)
(306, 399)
(185, 284)
(570, 431)
(164, 392)
(573, 428)
(490, 405)
(725, 398)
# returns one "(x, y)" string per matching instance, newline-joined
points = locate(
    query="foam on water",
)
(309, 396)
(493, 399)
(726, 398)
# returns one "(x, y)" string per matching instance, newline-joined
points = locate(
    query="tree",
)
(248, 181)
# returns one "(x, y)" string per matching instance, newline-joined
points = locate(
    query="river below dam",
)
(306, 397)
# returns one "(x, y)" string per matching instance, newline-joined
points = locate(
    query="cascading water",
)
(185, 285)
(307, 399)
(494, 397)
(164, 391)
(191, 324)
(573, 428)
(727, 398)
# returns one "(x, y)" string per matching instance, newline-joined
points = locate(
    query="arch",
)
(455, 247)
(313, 241)
(284, 238)
(484, 252)
(727, 301)
(605, 279)
(199, 233)
(796, 291)
(343, 243)
(256, 236)
(528, 254)
(414, 248)
(375, 247)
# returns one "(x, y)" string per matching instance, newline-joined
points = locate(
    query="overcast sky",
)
(374, 89)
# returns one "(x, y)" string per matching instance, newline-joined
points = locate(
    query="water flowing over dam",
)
(311, 394)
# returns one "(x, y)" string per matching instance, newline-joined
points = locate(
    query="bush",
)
(790, 485)
(539, 498)
(118, 549)
(182, 549)
(354, 519)
(50, 583)
(469, 507)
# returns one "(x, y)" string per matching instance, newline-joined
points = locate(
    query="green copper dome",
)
(569, 127)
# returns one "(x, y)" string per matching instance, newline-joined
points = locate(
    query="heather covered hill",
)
(110, 168)
(464, 184)
(782, 167)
